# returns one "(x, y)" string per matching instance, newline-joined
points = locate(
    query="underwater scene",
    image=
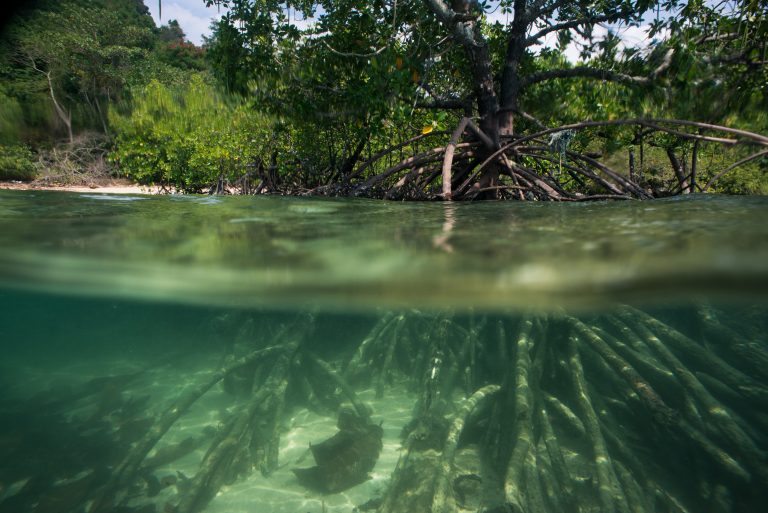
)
(186, 354)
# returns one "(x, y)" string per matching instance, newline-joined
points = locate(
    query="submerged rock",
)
(344, 459)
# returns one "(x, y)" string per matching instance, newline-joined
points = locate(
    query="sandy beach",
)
(112, 187)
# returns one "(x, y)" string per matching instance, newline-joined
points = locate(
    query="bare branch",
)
(532, 119)
(657, 125)
(741, 162)
(481, 135)
(417, 160)
(391, 149)
(707, 38)
(453, 20)
(538, 8)
(66, 117)
(355, 55)
(531, 152)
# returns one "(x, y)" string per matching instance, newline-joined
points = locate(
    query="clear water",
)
(115, 308)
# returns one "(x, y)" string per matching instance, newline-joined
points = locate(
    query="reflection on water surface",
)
(243, 251)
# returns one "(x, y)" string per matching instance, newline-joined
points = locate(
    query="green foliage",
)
(187, 136)
(174, 50)
(78, 52)
(319, 97)
(95, 52)
(229, 58)
(17, 162)
(11, 118)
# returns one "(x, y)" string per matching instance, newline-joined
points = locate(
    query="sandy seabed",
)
(279, 492)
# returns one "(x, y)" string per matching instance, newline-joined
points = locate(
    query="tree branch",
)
(438, 103)
(355, 55)
(487, 141)
(391, 149)
(530, 40)
(66, 117)
(532, 119)
(600, 74)
(452, 20)
(537, 8)
(743, 161)
(583, 72)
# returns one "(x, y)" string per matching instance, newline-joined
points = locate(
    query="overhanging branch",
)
(587, 20)
(442, 104)
(583, 72)
(539, 8)
(600, 74)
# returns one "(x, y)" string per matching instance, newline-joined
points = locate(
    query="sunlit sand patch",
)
(279, 492)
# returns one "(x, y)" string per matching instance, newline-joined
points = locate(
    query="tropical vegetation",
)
(401, 99)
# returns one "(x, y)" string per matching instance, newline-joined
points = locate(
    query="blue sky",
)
(193, 16)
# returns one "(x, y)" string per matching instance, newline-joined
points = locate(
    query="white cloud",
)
(193, 16)
(631, 38)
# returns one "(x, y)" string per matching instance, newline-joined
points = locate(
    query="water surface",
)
(244, 251)
(615, 354)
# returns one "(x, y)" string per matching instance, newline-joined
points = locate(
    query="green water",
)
(623, 348)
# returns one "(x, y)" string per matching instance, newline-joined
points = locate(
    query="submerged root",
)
(624, 413)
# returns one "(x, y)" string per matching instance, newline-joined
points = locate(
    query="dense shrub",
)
(187, 136)
(16, 163)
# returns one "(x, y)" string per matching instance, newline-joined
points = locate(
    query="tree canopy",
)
(500, 63)
(417, 99)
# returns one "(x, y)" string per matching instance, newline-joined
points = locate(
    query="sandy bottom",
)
(279, 492)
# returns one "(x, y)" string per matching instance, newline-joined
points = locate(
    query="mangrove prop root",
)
(386, 367)
(645, 364)
(716, 414)
(715, 453)
(635, 496)
(127, 472)
(606, 479)
(230, 458)
(443, 494)
(209, 478)
(660, 411)
(708, 361)
(559, 469)
(533, 493)
(652, 368)
(362, 410)
(565, 413)
(523, 415)
(566, 430)
(355, 363)
(273, 444)
(550, 486)
(750, 354)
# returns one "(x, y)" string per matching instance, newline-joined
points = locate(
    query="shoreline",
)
(111, 187)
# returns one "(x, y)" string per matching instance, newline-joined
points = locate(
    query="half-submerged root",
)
(550, 165)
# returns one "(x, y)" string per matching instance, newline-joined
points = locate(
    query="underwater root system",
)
(622, 412)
